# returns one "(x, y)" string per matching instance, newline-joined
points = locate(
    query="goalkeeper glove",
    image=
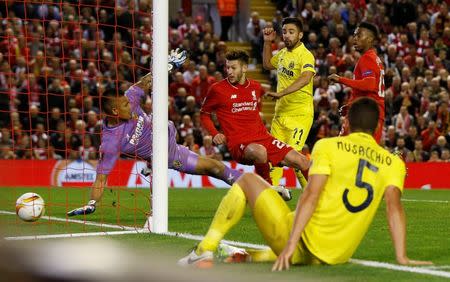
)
(177, 58)
(87, 209)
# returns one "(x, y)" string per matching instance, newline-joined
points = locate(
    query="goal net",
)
(56, 60)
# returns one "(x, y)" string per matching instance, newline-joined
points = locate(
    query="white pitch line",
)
(75, 235)
(79, 221)
(426, 201)
(390, 266)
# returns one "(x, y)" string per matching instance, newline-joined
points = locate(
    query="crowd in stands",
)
(49, 89)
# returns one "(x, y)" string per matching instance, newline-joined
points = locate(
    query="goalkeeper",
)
(127, 129)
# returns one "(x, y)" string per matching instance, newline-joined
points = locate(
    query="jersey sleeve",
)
(135, 95)
(320, 158)
(210, 102)
(208, 107)
(367, 67)
(396, 175)
(274, 60)
(109, 154)
(308, 63)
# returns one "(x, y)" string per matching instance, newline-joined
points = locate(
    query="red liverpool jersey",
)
(237, 109)
(369, 65)
(368, 81)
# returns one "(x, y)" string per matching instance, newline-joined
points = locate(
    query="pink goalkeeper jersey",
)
(133, 137)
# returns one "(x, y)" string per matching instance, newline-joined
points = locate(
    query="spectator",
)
(209, 149)
(200, 84)
(429, 135)
(190, 73)
(402, 121)
(227, 10)
(191, 107)
(254, 34)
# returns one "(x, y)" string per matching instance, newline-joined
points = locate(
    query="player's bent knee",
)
(252, 185)
(256, 152)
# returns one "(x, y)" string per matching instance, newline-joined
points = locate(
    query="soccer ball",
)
(30, 207)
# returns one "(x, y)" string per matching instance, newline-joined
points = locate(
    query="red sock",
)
(263, 170)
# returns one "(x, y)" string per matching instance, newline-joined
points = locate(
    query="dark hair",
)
(107, 99)
(293, 20)
(239, 55)
(363, 115)
(372, 28)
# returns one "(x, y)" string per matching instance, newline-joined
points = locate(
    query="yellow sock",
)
(276, 173)
(228, 213)
(301, 178)
(266, 255)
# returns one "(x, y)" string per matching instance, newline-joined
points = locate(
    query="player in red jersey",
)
(236, 102)
(368, 76)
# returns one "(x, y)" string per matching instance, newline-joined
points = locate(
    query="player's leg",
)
(215, 168)
(229, 212)
(182, 159)
(277, 131)
(257, 154)
(299, 127)
(272, 215)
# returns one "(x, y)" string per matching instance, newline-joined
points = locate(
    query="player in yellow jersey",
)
(349, 177)
(294, 110)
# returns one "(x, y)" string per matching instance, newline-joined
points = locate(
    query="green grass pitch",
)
(191, 211)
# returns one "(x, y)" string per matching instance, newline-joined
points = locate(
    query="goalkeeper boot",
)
(231, 254)
(87, 209)
(283, 192)
(203, 260)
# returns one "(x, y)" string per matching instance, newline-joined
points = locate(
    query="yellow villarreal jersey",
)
(289, 65)
(359, 171)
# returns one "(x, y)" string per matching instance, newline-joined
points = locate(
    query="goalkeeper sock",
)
(230, 175)
(263, 170)
(229, 212)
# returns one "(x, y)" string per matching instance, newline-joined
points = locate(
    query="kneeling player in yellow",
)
(348, 178)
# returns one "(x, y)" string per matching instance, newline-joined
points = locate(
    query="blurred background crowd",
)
(57, 58)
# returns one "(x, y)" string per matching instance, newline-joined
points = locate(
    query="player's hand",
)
(145, 82)
(177, 58)
(407, 261)
(87, 209)
(334, 77)
(284, 259)
(269, 34)
(273, 95)
(219, 139)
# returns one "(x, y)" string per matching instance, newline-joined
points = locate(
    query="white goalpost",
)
(159, 220)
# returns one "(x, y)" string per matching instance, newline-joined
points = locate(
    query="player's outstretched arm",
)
(96, 195)
(306, 206)
(397, 226)
(299, 83)
(269, 36)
